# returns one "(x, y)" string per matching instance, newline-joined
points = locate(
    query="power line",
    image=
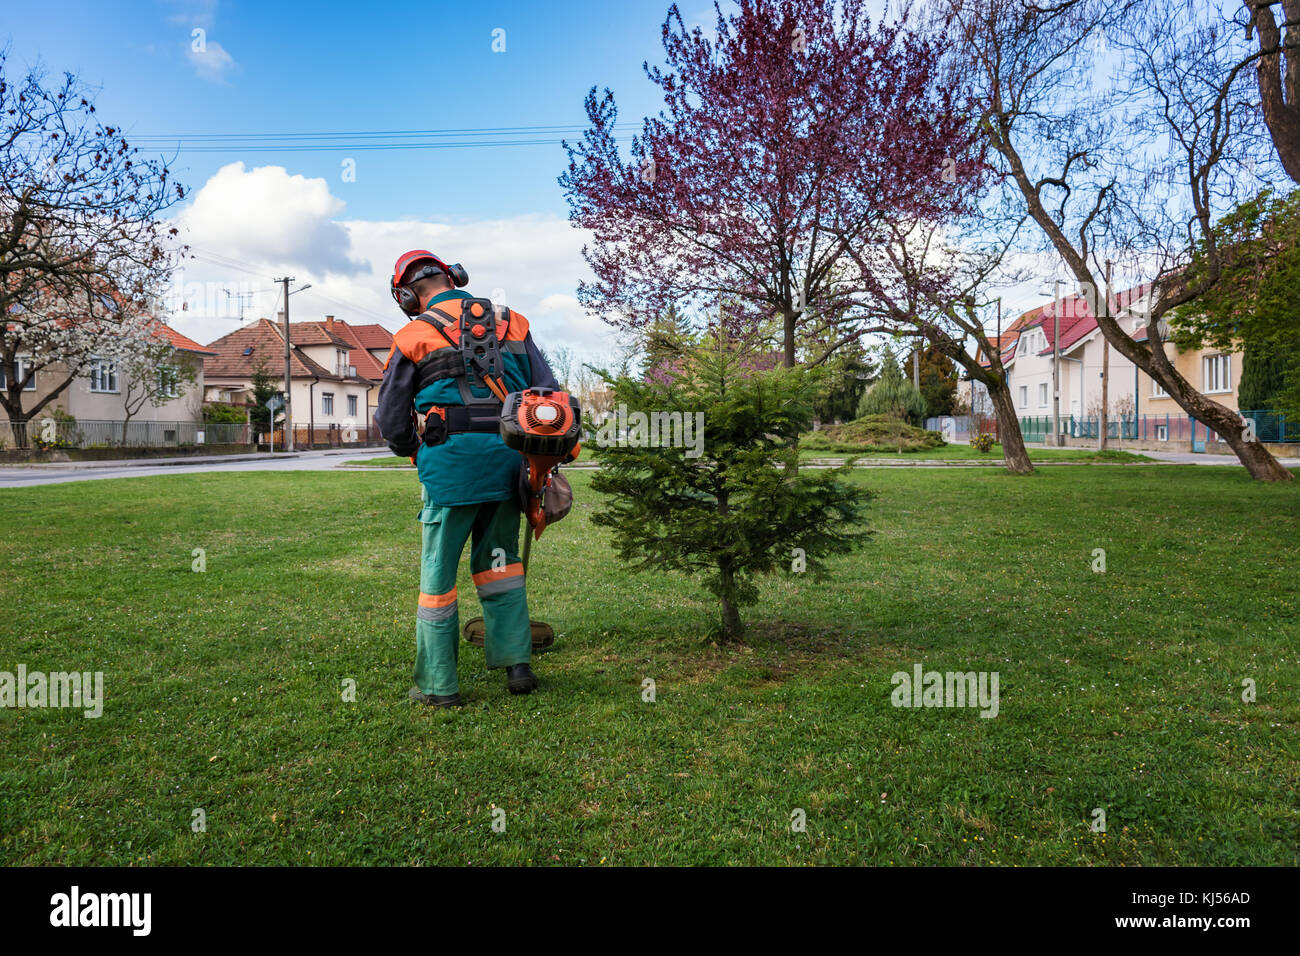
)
(367, 140)
(359, 134)
(364, 147)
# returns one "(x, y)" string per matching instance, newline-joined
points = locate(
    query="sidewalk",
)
(191, 460)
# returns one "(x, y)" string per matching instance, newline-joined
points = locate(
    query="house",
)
(1084, 350)
(334, 369)
(160, 406)
(975, 394)
(1132, 396)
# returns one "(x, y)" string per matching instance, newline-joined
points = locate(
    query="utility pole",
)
(997, 345)
(1056, 364)
(1105, 374)
(288, 379)
(916, 364)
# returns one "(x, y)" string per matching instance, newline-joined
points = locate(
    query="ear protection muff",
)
(405, 298)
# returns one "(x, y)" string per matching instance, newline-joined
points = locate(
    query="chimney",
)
(329, 324)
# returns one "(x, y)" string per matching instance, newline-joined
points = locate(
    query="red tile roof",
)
(178, 341)
(1005, 345)
(266, 343)
(365, 363)
(315, 333)
(240, 352)
(1077, 320)
(373, 336)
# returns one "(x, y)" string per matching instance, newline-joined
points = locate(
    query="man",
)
(449, 369)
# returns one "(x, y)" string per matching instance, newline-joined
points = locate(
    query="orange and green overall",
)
(468, 479)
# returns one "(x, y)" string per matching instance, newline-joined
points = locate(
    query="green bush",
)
(894, 395)
(982, 442)
(222, 413)
(872, 433)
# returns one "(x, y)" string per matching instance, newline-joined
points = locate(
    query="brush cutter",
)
(544, 426)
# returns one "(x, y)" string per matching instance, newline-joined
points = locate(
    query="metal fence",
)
(51, 433)
(1269, 425)
(46, 433)
(960, 428)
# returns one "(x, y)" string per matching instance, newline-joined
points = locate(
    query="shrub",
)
(730, 504)
(222, 413)
(982, 442)
(894, 395)
(872, 433)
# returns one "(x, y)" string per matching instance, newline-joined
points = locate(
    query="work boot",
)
(436, 700)
(520, 679)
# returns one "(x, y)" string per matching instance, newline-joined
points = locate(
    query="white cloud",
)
(247, 226)
(212, 62)
(269, 217)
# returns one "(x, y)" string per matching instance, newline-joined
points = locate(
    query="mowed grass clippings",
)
(226, 737)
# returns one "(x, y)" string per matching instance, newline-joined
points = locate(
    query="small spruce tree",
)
(263, 387)
(730, 504)
(893, 395)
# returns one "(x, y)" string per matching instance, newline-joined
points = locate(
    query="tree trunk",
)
(1277, 91)
(1013, 443)
(1228, 424)
(788, 320)
(732, 628)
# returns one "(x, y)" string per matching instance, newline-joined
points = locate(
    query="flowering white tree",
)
(83, 254)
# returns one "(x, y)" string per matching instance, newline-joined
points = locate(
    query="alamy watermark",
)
(924, 688)
(652, 430)
(75, 908)
(78, 689)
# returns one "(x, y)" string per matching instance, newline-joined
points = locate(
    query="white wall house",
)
(334, 379)
(103, 391)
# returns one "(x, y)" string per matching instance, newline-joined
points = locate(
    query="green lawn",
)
(967, 453)
(1119, 690)
(945, 453)
(391, 461)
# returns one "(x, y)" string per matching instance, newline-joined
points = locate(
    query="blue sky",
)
(223, 88)
(272, 71)
(331, 66)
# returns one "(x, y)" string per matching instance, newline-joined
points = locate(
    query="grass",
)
(994, 456)
(1119, 690)
(390, 462)
(943, 453)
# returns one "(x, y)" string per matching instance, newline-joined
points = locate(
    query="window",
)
(169, 383)
(1024, 395)
(352, 406)
(327, 403)
(21, 367)
(1042, 394)
(1158, 390)
(103, 375)
(1218, 373)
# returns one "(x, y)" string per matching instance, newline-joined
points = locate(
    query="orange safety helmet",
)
(407, 300)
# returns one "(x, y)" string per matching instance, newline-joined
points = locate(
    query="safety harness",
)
(474, 358)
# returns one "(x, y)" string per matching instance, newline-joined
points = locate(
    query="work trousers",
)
(498, 579)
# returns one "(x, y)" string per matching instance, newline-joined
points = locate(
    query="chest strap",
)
(476, 356)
